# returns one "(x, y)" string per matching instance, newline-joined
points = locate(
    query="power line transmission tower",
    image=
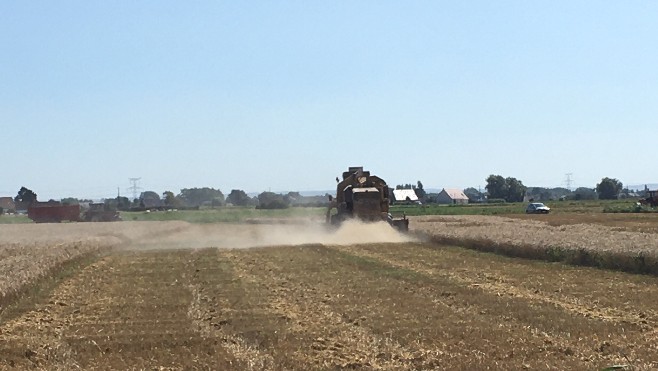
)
(568, 181)
(134, 188)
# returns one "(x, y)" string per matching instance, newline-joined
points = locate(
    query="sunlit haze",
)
(285, 95)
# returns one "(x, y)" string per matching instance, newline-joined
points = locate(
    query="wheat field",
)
(300, 296)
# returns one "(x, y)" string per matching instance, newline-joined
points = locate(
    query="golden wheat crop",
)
(22, 264)
(579, 243)
(526, 232)
(29, 252)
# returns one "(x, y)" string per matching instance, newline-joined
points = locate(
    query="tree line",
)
(498, 189)
(512, 190)
(188, 198)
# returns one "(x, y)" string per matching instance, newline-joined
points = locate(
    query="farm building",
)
(452, 196)
(7, 203)
(404, 195)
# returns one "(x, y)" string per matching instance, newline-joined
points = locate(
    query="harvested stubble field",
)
(172, 295)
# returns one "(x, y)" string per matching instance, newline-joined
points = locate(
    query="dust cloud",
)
(260, 235)
(134, 235)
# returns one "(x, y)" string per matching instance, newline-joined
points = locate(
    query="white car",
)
(537, 208)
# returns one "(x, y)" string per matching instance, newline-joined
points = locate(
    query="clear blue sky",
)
(285, 95)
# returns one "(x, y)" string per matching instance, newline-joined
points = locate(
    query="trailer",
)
(53, 212)
(56, 212)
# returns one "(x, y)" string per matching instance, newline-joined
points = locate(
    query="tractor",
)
(651, 199)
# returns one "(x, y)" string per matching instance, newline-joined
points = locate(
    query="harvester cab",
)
(362, 196)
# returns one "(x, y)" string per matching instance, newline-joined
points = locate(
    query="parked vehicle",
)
(537, 208)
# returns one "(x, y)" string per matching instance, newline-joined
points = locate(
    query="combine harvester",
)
(56, 212)
(364, 197)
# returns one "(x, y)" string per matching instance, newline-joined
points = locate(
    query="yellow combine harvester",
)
(365, 197)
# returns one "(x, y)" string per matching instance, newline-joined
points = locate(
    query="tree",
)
(238, 197)
(496, 186)
(217, 201)
(544, 194)
(170, 199)
(626, 193)
(70, 201)
(473, 195)
(583, 193)
(25, 198)
(509, 189)
(270, 200)
(149, 195)
(293, 197)
(199, 196)
(122, 203)
(420, 191)
(117, 203)
(609, 189)
(149, 200)
(515, 190)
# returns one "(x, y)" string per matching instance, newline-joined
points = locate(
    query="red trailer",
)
(53, 212)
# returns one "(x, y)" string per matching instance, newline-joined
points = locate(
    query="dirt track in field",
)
(330, 304)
